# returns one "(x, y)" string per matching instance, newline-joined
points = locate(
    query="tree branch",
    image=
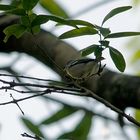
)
(111, 86)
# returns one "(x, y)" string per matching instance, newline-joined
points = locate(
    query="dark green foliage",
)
(115, 12)
(54, 8)
(122, 34)
(32, 127)
(78, 32)
(6, 7)
(89, 50)
(16, 29)
(81, 131)
(117, 58)
(61, 114)
(29, 4)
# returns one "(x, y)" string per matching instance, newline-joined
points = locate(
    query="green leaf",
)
(25, 20)
(105, 31)
(137, 117)
(115, 12)
(104, 43)
(78, 32)
(54, 8)
(40, 19)
(16, 29)
(35, 29)
(6, 7)
(32, 127)
(81, 131)
(117, 58)
(61, 114)
(78, 22)
(88, 50)
(122, 34)
(17, 11)
(29, 4)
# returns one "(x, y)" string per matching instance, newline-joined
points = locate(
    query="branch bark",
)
(119, 89)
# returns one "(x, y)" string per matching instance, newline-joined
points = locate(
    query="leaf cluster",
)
(80, 131)
(30, 22)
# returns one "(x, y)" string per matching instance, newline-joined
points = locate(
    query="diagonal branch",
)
(111, 86)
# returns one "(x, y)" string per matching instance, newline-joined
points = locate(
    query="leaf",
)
(40, 19)
(17, 11)
(118, 59)
(88, 50)
(105, 31)
(115, 12)
(54, 8)
(25, 20)
(104, 43)
(122, 34)
(35, 29)
(29, 4)
(32, 127)
(61, 114)
(16, 29)
(137, 117)
(6, 7)
(78, 22)
(81, 131)
(78, 32)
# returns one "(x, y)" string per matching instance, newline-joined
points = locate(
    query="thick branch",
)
(119, 89)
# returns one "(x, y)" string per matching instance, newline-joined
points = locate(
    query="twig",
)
(15, 101)
(22, 99)
(85, 109)
(108, 104)
(41, 94)
(26, 77)
(15, 84)
(32, 137)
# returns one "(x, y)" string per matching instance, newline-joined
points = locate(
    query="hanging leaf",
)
(54, 8)
(115, 12)
(32, 127)
(122, 34)
(78, 32)
(81, 131)
(16, 29)
(117, 58)
(61, 114)
(29, 4)
(88, 50)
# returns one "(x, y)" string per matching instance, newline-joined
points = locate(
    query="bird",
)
(83, 68)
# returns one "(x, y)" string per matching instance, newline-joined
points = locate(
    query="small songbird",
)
(83, 68)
